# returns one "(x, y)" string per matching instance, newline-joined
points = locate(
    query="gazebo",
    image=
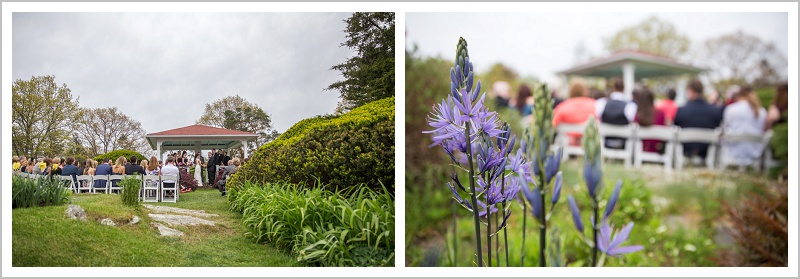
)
(631, 65)
(199, 137)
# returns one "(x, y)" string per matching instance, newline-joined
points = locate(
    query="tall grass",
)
(40, 192)
(130, 190)
(320, 227)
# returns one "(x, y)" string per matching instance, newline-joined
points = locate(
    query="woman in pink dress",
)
(647, 115)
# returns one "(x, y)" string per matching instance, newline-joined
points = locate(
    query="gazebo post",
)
(158, 148)
(244, 148)
(563, 92)
(628, 70)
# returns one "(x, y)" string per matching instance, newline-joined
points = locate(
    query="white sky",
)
(541, 44)
(162, 68)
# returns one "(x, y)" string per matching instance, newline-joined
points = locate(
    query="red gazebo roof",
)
(199, 130)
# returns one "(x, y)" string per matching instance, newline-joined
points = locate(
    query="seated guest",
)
(70, 169)
(133, 166)
(103, 169)
(15, 164)
(648, 115)
(575, 110)
(46, 166)
(777, 111)
(119, 167)
(23, 164)
(697, 113)
(31, 166)
(524, 104)
(170, 169)
(744, 116)
(56, 169)
(152, 166)
(668, 106)
(615, 110)
(232, 168)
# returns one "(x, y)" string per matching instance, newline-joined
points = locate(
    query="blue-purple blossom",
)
(592, 174)
(610, 243)
(556, 189)
(553, 164)
(576, 213)
(612, 201)
(535, 199)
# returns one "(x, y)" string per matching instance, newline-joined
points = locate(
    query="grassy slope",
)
(44, 237)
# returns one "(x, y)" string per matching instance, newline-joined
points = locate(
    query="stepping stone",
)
(173, 220)
(166, 231)
(134, 221)
(76, 212)
(167, 209)
(107, 222)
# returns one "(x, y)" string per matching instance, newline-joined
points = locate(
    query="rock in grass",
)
(134, 221)
(173, 220)
(76, 212)
(107, 222)
(166, 231)
(167, 209)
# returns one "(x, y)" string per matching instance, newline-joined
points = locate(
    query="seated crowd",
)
(741, 113)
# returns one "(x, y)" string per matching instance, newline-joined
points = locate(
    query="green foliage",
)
(652, 35)
(236, 113)
(40, 117)
(113, 155)
(369, 76)
(130, 190)
(108, 129)
(45, 191)
(354, 148)
(780, 141)
(320, 227)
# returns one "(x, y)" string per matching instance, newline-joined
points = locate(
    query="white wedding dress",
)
(198, 172)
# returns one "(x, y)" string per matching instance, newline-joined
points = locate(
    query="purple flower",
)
(556, 189)
(576, 213)
(592, 174)
(610, 243)
(612, 201)
(553, 164)
(535, 199)
(496, 193)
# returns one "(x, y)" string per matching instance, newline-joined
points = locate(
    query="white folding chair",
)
(84, 183)
(100, 183)
(663, 133)
(68, 182)
(150, 190)
(563, 130)
(170, 194)
(621, 131)
(762, 139)
(697, 135)
(113, 183)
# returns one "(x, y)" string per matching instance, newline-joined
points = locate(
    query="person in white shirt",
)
(745, 116)
(170, 169)
(615, 110)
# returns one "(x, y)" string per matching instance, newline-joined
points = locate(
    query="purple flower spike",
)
(610, 244)
(612, 201)
(556, 188)
(536, 201)
(576, 213)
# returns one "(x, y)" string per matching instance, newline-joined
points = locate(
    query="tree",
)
(41, 111)
(369, 76)
(651, 35)
(739, 58)
(236, 113)
(103, 130)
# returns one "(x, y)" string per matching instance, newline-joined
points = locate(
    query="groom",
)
(211, 167)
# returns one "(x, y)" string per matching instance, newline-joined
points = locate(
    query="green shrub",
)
(351, 149)
(320, 227)
(113, 155)
(44, 191)
(130, 190)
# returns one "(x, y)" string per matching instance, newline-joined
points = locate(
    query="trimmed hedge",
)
(338, 152)
(113, 155)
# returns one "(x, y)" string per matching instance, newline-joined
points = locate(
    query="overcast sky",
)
(541, 44)
(162, 68)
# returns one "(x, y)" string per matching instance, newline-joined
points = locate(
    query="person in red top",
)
(575, 110)
(648, 115)
(669, 107)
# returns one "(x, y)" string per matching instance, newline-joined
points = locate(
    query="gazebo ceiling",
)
(646, 66)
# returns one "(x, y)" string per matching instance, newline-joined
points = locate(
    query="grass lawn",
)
(43, 236)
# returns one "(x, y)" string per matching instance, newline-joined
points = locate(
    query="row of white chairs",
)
(674, 137)
(152, 189)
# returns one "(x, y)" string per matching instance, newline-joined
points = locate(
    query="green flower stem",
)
(505, 230)
(542, 233)
(524, 225)
(474, 199)
(594, 229)
(455, 234)
(488, 231)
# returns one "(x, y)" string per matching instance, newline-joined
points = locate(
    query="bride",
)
(198, 170)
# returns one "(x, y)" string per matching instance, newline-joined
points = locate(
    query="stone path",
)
(173, 216)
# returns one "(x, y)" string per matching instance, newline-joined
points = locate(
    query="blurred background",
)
(690, 217)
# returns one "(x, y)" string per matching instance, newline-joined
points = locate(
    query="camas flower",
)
(610, 243)
(576, 213)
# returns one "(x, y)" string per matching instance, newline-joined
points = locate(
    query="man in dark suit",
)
(133, 166)
(615, 110)
(225, 158)
(102, 169)
(211, 167)
(697, 113)
(70, 169)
